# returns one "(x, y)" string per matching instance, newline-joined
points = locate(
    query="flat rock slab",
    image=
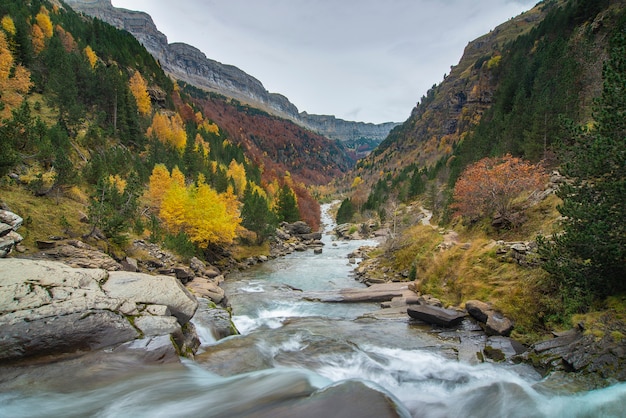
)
(154, 290)
(435, 315)
(381, 292)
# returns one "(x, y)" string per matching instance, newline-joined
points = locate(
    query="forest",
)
(90, 119)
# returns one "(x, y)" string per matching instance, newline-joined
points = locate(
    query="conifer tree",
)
(345, 211)
(588, 260)
(286, 205)
(256, 215)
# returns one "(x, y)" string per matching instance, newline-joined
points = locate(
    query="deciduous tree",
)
(139, 88)
(489, 186)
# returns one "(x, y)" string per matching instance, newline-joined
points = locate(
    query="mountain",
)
(189, 64)
(508, 93)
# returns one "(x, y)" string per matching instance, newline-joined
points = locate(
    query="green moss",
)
(494, 354)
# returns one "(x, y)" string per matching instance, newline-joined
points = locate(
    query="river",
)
(294, 354)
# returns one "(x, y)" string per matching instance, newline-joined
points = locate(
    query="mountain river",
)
(302, 358)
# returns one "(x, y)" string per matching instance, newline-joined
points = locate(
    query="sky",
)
(360, 60)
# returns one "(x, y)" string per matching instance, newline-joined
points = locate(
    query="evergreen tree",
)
(588, 260)
(417, 185)
(345, 212)
(256, 215)
(286, 205)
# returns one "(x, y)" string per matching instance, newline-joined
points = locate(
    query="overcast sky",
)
(360, 60)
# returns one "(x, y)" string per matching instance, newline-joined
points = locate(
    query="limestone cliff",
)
(189, 64)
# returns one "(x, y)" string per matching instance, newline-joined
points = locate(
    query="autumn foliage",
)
(139, 89)
(169, 130)
(206, 216)
(14, 80)
(490, 186)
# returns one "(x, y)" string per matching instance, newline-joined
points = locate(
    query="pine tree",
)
(345, 211)
(286, 205)
(588, 260)
(256, 215)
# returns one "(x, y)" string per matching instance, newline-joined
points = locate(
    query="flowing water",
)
(293, 348)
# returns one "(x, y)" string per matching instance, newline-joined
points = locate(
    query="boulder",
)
(478, 310)
(497, 324)
(493, 321)
(11, 219)
(297, 228)
(159, 290)
(88, 330)
(436, 315)
(49, 308)
(216, 320)
(314, 236)
(130, 264)
(206, 288)
(152, 326)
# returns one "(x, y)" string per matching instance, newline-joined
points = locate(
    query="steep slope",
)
(189, 64)
(507, 93)
(449, 110)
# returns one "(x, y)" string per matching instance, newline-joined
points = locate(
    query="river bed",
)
(295, 353)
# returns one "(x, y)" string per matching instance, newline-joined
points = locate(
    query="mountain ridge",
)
(189, 64)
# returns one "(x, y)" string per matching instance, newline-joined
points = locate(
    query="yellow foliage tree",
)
(118, 182)
(202, 145)
(14, 80)
(169, 130)
(160, 180)
(91, 56)
(211, 218)
(174, 207)
(44, 23)
(206, 216)
(357, 181)
(139, 89)
(237, 172)
(8, 25)
(208, 127)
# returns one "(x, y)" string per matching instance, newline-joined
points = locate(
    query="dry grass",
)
(472, 268)
(44, 216)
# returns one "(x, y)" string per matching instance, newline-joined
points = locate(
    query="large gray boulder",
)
(49, 308)
(153, 290)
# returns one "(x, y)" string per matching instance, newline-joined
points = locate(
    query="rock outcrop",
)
(9, 238)
(189, 64)
(49, 308)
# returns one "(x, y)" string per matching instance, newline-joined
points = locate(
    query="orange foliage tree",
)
(490, 186)
(14, 80)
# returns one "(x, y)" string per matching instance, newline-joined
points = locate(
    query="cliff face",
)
(189, 64)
